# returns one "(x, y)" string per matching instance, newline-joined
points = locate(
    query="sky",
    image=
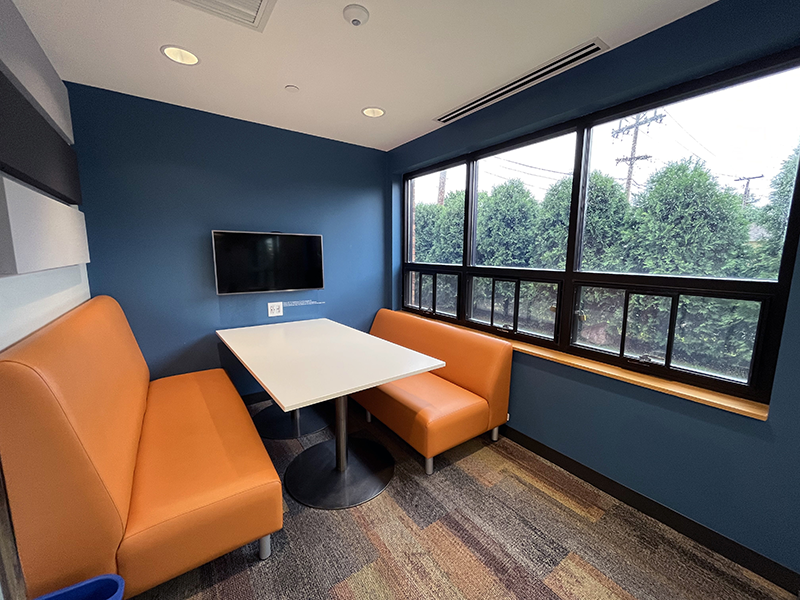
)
(742, 131)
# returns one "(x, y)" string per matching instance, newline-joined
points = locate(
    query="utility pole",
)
(442, 182)
(624, 128)
(746, 198)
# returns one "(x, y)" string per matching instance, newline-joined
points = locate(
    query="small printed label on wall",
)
(302, 303)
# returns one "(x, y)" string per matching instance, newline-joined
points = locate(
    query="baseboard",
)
(759, 564)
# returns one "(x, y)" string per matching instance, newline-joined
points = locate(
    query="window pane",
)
(715, 336)
(523, 205)
(481, 305)
(648, 328)
(504, 292)
(426, 292)
(537, 308)
(412, 289)
(701, 187)
(446, 294)
(598, 322)
(437, 216)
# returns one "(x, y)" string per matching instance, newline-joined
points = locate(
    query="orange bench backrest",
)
(72, 400)
(475, 362)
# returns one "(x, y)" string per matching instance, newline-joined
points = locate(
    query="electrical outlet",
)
(275, 309)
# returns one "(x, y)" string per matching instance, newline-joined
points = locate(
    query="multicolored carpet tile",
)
(494, 521)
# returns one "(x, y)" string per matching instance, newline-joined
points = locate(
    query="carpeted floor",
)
(493, 521)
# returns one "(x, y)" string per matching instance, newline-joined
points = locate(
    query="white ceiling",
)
(416, 59)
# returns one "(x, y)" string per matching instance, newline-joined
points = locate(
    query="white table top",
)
(300, 363)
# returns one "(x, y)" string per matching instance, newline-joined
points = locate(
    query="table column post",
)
(341, 434)
(296, 422)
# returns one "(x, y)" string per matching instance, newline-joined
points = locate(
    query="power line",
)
(531, 174)
(532, 166)
(689, 150)
(640, 120)
(527, 185)
(689, 134)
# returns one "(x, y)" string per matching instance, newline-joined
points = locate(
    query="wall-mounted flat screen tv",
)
(247, 262)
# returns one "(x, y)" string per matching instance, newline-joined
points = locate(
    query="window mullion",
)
(433, 294)
(468, 254)
(408, 221)
(624, 324)
(470, 209)
(491, 305)
(579, 180)
(673, 319)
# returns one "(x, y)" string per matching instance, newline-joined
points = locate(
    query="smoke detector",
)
(355, 14)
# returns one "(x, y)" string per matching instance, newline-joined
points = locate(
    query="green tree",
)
(552, 227)
(425, 216)
(684, 223)
(439, 230)
(448, 243)
(605, 223)
(605, 230)
(505, 226)
(774, 217)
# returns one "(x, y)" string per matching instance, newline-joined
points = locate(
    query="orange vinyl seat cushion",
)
(437, 411)
(204, 484)
(430, 413)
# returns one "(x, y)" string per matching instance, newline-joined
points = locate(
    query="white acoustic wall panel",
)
(38, 232)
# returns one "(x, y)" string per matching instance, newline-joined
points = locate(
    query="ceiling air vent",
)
(544, 71)
(251, 13)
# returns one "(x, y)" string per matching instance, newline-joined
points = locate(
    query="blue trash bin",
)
(104, 587)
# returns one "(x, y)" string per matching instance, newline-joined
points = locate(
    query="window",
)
(697, 188)
(436, 203)
(523, 205)
(655, 237)
(424, 291)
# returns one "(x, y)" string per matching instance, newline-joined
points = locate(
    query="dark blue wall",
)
(735, 475)
(158, 178)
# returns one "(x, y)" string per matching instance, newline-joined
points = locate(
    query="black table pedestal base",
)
(313, 478)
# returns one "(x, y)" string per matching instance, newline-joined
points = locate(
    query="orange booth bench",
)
(109, 472)
(439, 410)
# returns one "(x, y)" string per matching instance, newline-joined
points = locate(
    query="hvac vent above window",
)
(544, 71)
(251, 13)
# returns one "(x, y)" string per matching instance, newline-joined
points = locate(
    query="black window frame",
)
(773, 295)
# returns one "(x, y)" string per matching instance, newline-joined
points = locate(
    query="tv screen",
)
(247, 262)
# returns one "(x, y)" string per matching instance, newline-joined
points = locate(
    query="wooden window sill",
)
(747, 408)
(739, 406)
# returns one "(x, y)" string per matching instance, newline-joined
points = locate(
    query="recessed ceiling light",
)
(373, 111)
(292, 89)
(179, 55)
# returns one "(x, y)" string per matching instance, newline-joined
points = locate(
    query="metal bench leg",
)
(429, 466)
(495, 434)
(264, 547)
(369, 417)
